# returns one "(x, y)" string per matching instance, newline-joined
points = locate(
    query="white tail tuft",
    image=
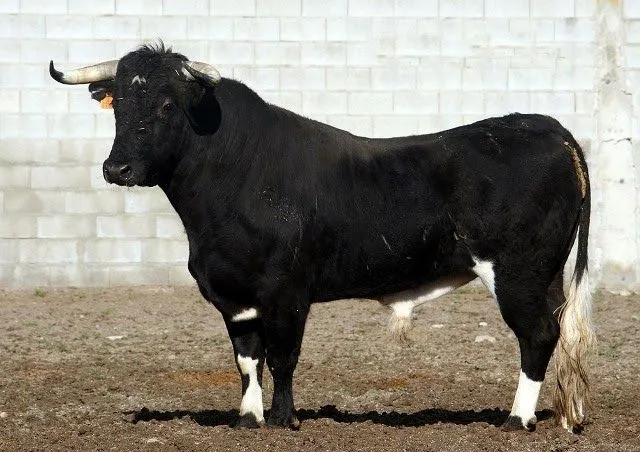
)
(577, 339)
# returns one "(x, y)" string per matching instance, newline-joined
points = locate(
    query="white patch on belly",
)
(484, 269)
(252, 398)
(524, 404)
(245, 314)
(403, 303)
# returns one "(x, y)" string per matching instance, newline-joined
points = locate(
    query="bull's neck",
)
(212, 168)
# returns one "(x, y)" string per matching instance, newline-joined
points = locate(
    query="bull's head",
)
(160, 99)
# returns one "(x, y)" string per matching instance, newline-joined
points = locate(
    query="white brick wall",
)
(377, 68)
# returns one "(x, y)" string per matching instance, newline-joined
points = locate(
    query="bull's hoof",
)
(248, 421)
(290, 422)
(514, 423)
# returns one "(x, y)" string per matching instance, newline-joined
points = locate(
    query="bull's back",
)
(404, 205)
(381, 223)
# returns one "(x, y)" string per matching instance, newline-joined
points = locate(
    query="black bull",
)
(281, 211)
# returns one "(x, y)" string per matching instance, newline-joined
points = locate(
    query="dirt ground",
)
(152, 369)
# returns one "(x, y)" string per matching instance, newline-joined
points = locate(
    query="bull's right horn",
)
(96, 73)
(196, 69)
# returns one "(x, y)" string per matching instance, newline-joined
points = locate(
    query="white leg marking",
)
(524, 404)
(484, 269)
(245, 314)
(252, 398)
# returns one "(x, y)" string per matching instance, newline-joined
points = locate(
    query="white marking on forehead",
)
(140, 80)
(252, 398)
(484, 269)
(245, 314)
(524, 404)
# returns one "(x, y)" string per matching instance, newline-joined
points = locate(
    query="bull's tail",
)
(577, 338)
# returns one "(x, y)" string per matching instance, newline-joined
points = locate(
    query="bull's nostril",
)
(118, 172)
(125, 171)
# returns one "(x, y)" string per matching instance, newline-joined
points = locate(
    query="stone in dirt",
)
(485, 338)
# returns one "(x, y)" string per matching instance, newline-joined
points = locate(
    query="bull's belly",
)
(427, 292)
(401, 303)
(402, 286)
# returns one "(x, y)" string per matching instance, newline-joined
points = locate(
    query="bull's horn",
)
(96, 73)
(196, 69)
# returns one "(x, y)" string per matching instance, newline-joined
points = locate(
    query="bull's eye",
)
(168, 106)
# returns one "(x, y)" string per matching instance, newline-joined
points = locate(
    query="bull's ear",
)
(103, 92)
(202, 109)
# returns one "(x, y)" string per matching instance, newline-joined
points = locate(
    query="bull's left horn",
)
(196, 69)
(95, 73)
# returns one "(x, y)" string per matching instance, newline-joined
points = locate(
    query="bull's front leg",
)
(284, 328)
(248, 347)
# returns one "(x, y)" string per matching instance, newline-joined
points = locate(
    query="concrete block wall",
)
(377, 68)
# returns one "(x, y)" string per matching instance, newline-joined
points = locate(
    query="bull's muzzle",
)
(117, 172)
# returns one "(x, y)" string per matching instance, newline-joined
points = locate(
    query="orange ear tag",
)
(107, 101)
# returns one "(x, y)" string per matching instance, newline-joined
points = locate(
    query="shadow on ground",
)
(214, 418)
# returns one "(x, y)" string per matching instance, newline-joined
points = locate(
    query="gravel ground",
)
(152, 369)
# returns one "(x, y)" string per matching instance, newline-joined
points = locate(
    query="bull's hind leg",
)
(248, 347)
(527, 305)
(532, 318)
